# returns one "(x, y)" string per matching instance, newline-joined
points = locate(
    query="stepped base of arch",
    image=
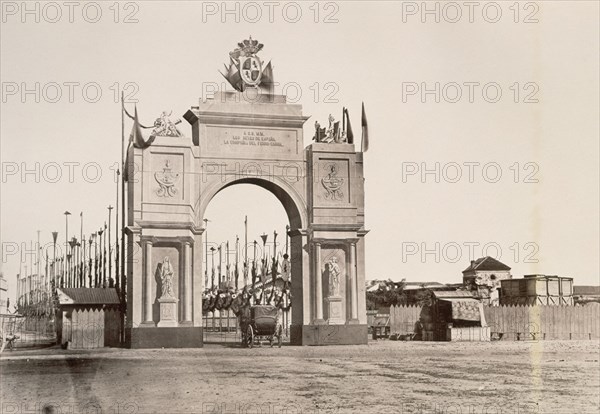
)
(164, 337)
(310, 335)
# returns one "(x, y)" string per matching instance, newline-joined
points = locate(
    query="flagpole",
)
(100, 256)
(212, 275)
(228, 273)
(254, 267)
(237, 247)
(96, 235)
(104, 259)
(206, 252)
(90, 284)
(117, 274)
(38, 254)
(83, 263)
(31, 259)
(274, 265)
(54, 237)
(246, 269)
(109, 249)
(81, 239)
(20, 281)
(287, 230)
(219, 267)
(264, 271)
(123, 278)
(122, 228)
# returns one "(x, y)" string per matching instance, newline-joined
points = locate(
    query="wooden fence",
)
(90, 328)
(404, 318)
(516, 322)
(544, 322)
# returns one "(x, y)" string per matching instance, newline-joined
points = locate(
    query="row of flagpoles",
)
(85, 262)
(233, 272)
(88, 261)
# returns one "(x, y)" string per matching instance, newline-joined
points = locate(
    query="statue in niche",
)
(166, 279)
(333, 273)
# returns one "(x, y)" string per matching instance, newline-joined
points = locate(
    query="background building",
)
(485, 275)
(586, 294)
(537, 290)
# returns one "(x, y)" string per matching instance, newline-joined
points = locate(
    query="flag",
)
(232, 75)
(285, 269)
(254, 275)
(349, 133)
(237, 274)
(274, 276)
(365, 131)
(136, 134)
(274, 270)
(264, 272)
(266, 81)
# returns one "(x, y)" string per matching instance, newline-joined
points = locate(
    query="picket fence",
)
(516, 322)
(89, 328)
(404, 318)
(544, 322)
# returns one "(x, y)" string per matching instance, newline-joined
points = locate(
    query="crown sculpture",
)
(246, 70)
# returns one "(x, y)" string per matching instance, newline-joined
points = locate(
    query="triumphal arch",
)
(246, 135)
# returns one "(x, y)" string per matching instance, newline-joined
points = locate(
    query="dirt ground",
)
(382, 377)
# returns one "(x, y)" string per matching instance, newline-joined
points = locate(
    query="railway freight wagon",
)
(537, 290)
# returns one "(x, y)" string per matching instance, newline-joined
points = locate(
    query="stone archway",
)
(260, 142)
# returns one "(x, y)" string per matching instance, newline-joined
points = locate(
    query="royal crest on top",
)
(246, 69)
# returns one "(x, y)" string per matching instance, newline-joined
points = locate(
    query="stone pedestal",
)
(334, 310)
(168, 312)
(328, 334)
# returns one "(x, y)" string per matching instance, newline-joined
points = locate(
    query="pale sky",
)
(373, 53)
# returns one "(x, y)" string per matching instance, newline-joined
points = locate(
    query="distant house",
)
(586, 294)
(484, 275)
(537, 290)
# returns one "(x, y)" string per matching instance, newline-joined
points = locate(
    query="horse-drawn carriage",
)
(261, 323)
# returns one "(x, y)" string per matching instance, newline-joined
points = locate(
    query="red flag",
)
(365, 131)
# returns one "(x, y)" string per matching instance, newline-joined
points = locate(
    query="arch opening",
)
(293, 206)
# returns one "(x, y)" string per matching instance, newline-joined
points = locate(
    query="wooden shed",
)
(455, 315)
(88, 317)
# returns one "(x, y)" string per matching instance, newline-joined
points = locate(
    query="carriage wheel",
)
(250, 337)
(279, 336)
(1, 340)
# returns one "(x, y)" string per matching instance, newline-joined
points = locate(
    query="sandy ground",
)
(382, 377)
